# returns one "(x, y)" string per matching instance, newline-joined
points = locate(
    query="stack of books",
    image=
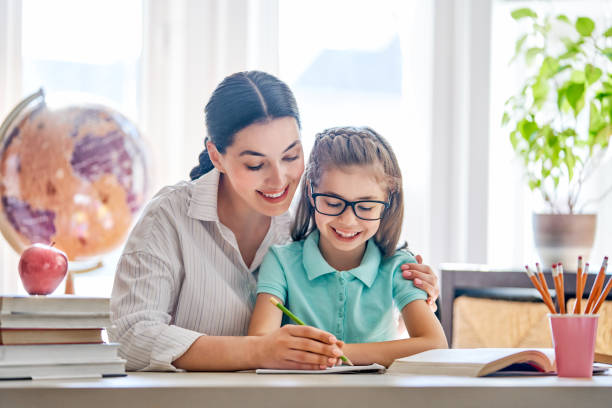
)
(56, 337)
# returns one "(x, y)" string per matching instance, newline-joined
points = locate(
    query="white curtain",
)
(460, 132)
(10, 92)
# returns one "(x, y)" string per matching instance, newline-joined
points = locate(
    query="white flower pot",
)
(563, 237)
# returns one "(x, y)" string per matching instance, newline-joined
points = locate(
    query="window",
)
(359, 63)
(86, 47)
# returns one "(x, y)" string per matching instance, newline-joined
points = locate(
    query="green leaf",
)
(572, 48)
(585, 26)
(596, 120)
(543, 29)
(549, 136)
(607, 52)
(563, 17)
(565, 105)
(514, 139)
(505, 119)
(519, 45)
(561, 96)
(549, 67)
(531, 54)
(608, 32)
(523, 12)
(578, 76)
(540, 93)
(527, 129)
(603, 136)
(591, 73)
(574, 94)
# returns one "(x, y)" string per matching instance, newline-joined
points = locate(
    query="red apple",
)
(42, 268)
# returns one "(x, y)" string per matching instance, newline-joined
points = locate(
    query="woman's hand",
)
(424, 278)
(298, 348)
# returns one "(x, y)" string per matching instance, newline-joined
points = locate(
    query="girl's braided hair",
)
(341, 147)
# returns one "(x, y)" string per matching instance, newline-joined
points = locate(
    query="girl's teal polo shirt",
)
(355, 305)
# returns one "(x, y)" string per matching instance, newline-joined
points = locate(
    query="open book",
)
(479, 362)
(343, 369)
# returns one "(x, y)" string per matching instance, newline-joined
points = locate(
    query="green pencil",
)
(296, 319)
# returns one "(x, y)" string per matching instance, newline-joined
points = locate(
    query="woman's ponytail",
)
(205, 165)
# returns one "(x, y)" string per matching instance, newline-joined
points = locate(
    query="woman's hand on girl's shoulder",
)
(423, 278)
(298, 348)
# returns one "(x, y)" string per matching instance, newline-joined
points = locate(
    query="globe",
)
(74, 176)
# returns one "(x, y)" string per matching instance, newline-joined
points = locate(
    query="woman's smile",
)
(275, 196)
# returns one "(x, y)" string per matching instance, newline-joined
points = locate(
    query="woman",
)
(185, 284)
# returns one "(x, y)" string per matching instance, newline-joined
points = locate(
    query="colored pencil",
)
(544, 285)
(562, 288)
(603, 296)
(585, 275)
(296, 319)
(579, 287)
(557, 285)
(539, 288)
(597, 286)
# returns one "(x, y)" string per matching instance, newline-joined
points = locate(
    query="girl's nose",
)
(348, 215)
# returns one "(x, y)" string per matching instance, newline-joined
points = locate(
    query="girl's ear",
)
(215, 156)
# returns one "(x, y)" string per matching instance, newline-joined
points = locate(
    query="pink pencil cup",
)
(573, 337)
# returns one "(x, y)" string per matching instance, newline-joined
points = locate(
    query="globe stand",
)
(69, 289)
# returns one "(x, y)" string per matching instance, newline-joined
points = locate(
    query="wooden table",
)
(250, 390)
(458, 278)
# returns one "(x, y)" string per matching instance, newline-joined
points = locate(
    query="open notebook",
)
(343, 369)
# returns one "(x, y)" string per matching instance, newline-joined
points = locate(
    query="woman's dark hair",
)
(240, 100)
(342, 147)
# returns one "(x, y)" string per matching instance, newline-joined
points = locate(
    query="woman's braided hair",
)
(341, 147)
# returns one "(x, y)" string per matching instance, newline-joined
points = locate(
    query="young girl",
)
(342, 272)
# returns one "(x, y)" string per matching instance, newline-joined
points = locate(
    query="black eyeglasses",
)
(368, 210)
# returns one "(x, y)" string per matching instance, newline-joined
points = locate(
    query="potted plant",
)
(560, 124)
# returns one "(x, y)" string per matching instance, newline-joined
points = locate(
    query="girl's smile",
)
(345, 235)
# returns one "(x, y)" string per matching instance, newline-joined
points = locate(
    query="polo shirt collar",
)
(203, 201)
(316, 265)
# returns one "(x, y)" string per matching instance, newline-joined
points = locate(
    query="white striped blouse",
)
(181, 275)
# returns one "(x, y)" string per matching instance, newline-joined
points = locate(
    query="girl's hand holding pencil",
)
(297, 347)
(297, 320)
(598, 293)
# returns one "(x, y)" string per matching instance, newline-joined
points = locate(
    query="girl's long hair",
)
(349, 146)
